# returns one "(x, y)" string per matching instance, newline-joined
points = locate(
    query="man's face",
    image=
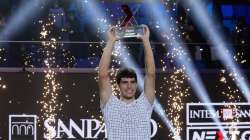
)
(128, 87)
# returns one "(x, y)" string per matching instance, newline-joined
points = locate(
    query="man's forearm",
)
(149, 58)
(106, 58)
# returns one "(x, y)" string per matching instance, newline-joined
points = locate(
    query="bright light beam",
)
(177, 46)
(97, 18)
(129, 63)
(208, 28)
(25, 12)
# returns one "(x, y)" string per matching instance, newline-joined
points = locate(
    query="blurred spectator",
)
(2, 22)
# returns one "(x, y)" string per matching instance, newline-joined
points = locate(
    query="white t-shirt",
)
(128, 121)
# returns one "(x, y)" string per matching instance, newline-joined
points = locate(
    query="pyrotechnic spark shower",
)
(50, 104)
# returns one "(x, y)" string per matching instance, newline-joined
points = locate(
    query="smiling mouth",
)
(130, 91)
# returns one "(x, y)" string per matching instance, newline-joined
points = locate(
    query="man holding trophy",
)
(127, 118)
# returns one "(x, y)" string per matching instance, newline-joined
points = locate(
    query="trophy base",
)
(129, 32)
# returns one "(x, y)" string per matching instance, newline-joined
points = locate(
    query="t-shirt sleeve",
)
(144, 100)
(108, 102)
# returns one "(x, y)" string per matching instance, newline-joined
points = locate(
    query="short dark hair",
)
(125, 73)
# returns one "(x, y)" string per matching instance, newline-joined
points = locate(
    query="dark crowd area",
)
(80, 43)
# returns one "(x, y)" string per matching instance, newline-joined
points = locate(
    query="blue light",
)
(240, 10)
(223, 51)
(227, 10)
(210, 8)
(229, 24)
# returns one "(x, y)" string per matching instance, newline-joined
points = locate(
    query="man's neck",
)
(127, 100)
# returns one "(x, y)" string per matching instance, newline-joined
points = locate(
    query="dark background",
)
(25, 89)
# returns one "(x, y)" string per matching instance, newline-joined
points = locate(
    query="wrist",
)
(145, 40)
(111, 41)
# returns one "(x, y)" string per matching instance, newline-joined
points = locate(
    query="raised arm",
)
(105, 89)
(149, 81)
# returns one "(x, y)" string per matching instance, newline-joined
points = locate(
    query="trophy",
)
(129, 32)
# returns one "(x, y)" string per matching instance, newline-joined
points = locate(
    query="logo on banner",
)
(89, 129)
(227, 114)
(22, 127)
(234, 120)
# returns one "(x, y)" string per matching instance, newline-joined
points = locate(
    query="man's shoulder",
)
(113, 100)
